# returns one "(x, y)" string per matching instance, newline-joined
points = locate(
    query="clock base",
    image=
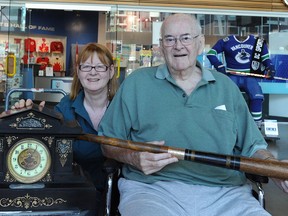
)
(73, 197)
(27, 186)
(77, 195)
(50, 213)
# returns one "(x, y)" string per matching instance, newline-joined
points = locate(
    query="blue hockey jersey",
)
(238, 54)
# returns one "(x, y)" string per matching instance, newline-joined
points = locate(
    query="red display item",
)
(57, 63)
(18, 41)
(57, 67)
(56, 47)
(43, 46)
(27, 60)
(43, 61)
(30, 45)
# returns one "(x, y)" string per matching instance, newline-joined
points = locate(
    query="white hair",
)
(194, 21)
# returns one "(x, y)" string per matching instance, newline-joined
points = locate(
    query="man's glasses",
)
(98, 68)
(184, 39)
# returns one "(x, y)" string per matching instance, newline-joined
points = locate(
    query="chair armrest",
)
(112, 170)
(257, 178)
(111, 166)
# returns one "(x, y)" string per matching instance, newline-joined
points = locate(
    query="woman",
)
(93, 87)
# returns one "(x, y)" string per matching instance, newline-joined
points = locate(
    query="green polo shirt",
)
(150, 106)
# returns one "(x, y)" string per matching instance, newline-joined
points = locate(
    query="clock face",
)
(28, 160)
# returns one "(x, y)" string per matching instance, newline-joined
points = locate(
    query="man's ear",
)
(201, 44)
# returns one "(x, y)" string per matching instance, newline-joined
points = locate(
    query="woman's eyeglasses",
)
(98, 68)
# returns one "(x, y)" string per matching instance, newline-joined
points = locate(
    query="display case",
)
(138, 31)
(29, 47)
(133, 36)
(10, 52)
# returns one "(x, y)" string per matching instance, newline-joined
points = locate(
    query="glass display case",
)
(132, 34)
(12, 19)
(29, 47)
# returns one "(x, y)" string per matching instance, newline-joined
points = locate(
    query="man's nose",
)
(178, 43)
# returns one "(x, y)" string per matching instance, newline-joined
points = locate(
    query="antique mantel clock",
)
(37, 172)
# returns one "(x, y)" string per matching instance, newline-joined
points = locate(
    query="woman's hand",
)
(22, 104)
(25, 103)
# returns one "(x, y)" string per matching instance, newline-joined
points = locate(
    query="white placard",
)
(49, 71)
(40, 73)
(271, 128)
(61, 84)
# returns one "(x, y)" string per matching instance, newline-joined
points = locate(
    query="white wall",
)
(278, 105)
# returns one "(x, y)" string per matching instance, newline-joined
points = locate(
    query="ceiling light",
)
(67, 6)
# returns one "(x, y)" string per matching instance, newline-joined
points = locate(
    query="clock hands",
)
(30, 158)
(34, 150)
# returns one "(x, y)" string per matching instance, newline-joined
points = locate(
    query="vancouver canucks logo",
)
(242, 57)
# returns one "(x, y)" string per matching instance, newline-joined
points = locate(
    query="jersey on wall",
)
(240, 54)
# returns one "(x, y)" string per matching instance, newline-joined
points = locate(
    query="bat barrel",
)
(270, 168)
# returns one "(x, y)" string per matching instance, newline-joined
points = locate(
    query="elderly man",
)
(181, 104)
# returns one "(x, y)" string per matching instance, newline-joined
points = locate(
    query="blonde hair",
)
(105, 57)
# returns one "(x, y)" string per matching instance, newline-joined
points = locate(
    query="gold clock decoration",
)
(28, 160)
(28, 201)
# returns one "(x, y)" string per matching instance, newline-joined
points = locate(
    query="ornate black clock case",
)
(37, 172)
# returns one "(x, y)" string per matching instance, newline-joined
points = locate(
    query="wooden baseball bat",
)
(270, 168)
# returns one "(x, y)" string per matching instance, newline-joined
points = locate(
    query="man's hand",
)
(267, 155)
(282, 184)
(150, 163)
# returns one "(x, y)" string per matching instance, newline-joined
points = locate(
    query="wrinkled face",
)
(94, 75)
(181, 56)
